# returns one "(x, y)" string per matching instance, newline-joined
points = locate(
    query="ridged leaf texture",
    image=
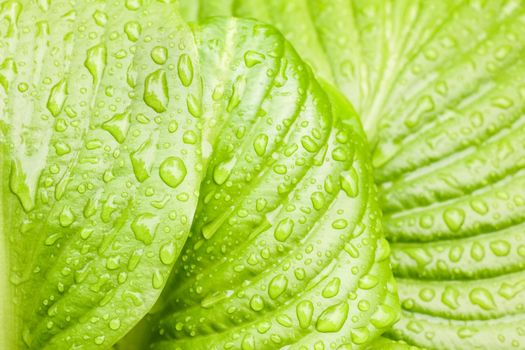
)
(440, 87)
(140, 157)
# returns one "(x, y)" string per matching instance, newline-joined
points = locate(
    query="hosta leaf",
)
(99, 185)
(440, 86)
(285, 249)
(123, 131)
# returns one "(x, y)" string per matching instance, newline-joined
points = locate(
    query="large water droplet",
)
(172, 171)
(277, 286)
(185, 69)
(133, 31)
(482, 298)
(332, 318)
(260, 143)
(118, 126)
(156, 91)
(454, 218)
(57, 97)
(349, 182)
(159, 54)
(142, 160)
(144, 227)
(284, 229)
(96, 61)
(305, 311)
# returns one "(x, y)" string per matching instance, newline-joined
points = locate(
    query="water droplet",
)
(167, 253)
(500, 247)
(332, 288)
(450, 297)
(157, 279)
(144, 227)
(96, 61)
(454, 218)
(260, 143)
(479, 206)
(142, 160)
(309, 144)
(57, 97)
(221, 171)
(172, 171)
(133, 31)
(455, 253)
(61, 148)
(133, 5)
(66, 217)
(237, 92)
(185, 70)
(368, 282)
(252, 58)
(284, 229)
(482, 298)
(114, 324)
(118, 126)
(100, 340)
(52, 239)
(18, 183)
(305, 311)
(318, 200)
(100, 18)
(257, 303)
(159, 54)
(332, 318)
(248, 343)
(277, 286)
(360, 335)
(384, 316)
(349, 183)
(477, 252)
(156, 91)
(194, 105)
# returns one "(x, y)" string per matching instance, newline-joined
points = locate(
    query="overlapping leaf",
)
(285, 249)
(440, 86)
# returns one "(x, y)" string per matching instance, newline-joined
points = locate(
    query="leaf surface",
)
(440, 87)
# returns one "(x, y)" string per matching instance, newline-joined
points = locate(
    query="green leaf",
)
(123, 131)
(440, 86)
(285, 249)
(98, 185)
